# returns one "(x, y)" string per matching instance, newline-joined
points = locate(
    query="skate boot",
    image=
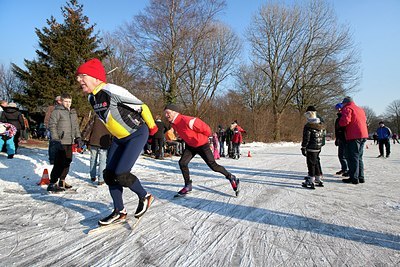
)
(318, 181)
(184, 191)
(309, 182)
(63, 184)
(144, 205)
(340, 172)
(234, 183)
(55, 188)
(114, 217)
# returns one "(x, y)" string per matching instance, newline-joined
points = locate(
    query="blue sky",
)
(375, 25)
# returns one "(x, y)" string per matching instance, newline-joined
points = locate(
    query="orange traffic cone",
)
(249, 154)
(45, 178)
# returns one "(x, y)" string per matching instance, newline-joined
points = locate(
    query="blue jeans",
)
(355, 150)
(97, 156)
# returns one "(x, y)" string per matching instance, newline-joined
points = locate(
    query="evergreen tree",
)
(62, 48)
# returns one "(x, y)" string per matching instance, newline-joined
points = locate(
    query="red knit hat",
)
(94, 68)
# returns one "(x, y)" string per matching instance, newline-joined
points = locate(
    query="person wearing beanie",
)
(384, 133)
(340, 142)
(7, 132)
(11, 114)
(313, 137)
(130, 121)
(356, 132)
(195, 133)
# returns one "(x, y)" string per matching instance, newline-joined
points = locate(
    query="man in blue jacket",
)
(384, 134)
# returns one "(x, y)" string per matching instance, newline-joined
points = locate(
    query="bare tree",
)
(306, 55)
(371, 116)
(168, 34)
(393, 112)
(208, 66)
(9, 83)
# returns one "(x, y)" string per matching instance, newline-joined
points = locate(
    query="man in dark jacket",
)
(64, 130)
(158, 138)
(340, 142)
(11, 114)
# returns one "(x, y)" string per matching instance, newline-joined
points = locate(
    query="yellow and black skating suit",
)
(121, 112)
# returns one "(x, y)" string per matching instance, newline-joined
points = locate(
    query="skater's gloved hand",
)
(153, 130)
(304, 151)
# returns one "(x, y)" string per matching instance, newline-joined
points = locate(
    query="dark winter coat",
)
(97, 134)
(64, 125)
(162, 129)
(221, 135)
(339, 131)
(313, 136)
(13, 115)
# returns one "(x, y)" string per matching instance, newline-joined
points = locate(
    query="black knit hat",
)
(347, 99)
(311, 108)
(172, 107)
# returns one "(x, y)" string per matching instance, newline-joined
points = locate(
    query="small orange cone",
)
(249, 154)
(45, 178)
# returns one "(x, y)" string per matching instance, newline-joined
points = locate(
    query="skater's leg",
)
(206, 154)
(186, 157)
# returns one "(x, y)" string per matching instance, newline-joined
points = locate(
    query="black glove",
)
(304, 151)
(79, 142)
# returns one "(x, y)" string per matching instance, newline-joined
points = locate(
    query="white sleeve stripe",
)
(191, 123)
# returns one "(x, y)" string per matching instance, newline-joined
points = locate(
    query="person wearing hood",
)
(356, 131)
(313, 140)
(11, 114)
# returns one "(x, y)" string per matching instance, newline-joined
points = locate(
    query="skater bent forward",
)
(195, 133)
(130, 121)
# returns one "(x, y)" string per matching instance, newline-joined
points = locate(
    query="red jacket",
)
(237, 137)
(355, 121)
(193, 131)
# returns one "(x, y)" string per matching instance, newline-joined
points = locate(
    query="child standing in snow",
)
(215, 146)
(313, 136)
(7, 132)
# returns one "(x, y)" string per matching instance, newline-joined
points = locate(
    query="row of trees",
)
(178, 51)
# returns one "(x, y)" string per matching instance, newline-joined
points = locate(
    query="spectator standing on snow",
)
(237, 139)
(195, 133)
(340, 142)
(313, 138)
(384, 134)
(130, 121)
(375, 137)
(64, 129)
(99, 140)
(11, 114)
(355, 122)
(53, 146)
(7, 132)
(394, 137)
(158, 139)
(221, 138)
(215, 146)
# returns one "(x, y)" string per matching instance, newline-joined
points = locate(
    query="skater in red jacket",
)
(195, 133)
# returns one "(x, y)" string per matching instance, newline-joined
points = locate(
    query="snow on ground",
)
(274, 221)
